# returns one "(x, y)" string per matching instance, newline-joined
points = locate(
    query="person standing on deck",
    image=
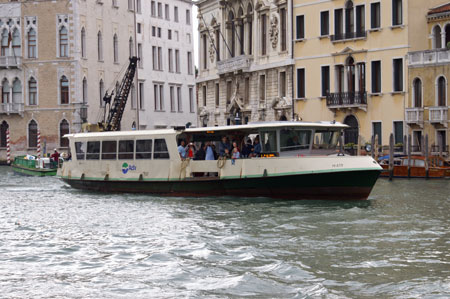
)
(209, 152)
(223, 146)
(182, 149)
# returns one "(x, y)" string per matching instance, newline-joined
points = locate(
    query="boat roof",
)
(247, 127)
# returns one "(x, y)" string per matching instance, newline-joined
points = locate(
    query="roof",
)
(440, 9)
(248, 127)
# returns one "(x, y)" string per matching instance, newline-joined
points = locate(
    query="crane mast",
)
(117, 107)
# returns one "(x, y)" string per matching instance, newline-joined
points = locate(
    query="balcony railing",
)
(348, 35)
(347, 99)
(234, 64)
(438, 115)
(429, 57)
(11, 108)
(435, 149)
(10, 61)
(414, 116)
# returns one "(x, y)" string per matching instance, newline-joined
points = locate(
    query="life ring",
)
(221, 162)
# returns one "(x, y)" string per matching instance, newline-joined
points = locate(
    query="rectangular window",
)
(217, 93)
(139, 27)
(188, 17)
(161, 151)
(80, 149)
(172, 99)
(144, 149)
(282, 87)
(156, 97)
(376, 76)
(167, 11)
(159, 32)
(160, 61)
(204, 52)
(283, 25)
(175, 14)
(170, 61)
(262, 89)
(228, 92)
(338, 23)
(177, 61)
(180, 103)
(397, 12)
(138, 6)
(109, 150)
(300, 83)
(204, 95)
(300, 27)
(93, 150)
(376, 130)
(153, 31)
(247, 90)
(161, 96)
(324, 23)
(189, 63)
(153, 9)
(375, 16)
(169, 34)
(32, 44)
(160, 10)
(360, 21)
(155, 58)
(398, 132)
(398, 74)
(325, 80)
(130, 4)
(32, 90)
(191, 99)
(218, 45)
(263, 34)
(126, 149)
(141, 95)
(140, 61)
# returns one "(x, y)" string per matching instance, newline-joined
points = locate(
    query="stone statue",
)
(273, 31)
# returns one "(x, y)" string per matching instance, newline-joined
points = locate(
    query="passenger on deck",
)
(182, 149)
(235, 153)
(209, 152)
(247, 149)
(190, 150)
(201, 153)
(257, 146)
(224, 145)
(55, 156)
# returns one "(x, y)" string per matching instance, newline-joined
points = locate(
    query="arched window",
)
(102, 93)
(5, 92)
(85, 91)
(116, 48)
(437, 40)
(447, 36)
(3, 130)
(5, 43)
(83, 42)
(350, 64)
(64, 90)
(16, 42)
(131, 47)
(417, 92)
(442, 91)
(31, 43)
(32, 134)
(241, 31)
(249, 29)
(17, 92)
(231, 30)
(32, 91)
(99, 46)
(63, 130)
(63, 42)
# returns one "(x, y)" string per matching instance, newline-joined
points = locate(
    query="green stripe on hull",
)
(34, 172)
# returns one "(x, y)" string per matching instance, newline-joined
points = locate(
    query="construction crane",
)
(111, 120)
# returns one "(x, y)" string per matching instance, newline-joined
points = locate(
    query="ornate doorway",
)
(351, 134)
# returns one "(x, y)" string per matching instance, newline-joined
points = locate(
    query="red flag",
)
(9, 38)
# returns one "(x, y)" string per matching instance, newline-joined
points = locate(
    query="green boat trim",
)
(28, 167)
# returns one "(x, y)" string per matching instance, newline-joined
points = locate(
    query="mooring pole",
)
(427, 170)
(373, 146)
(409, 156)
(391, 156)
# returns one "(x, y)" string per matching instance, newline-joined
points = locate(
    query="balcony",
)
(414, 116)
(239, 63)
(348, 36)
(438, 115)
(10, 61)
(429, 57)
(11, 108)
(339, 100)
(436, 150)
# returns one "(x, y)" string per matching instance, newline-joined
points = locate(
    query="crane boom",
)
(117, 108)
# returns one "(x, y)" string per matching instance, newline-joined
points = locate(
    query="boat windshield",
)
(325, 141)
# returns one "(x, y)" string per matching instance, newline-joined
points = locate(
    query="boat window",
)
(109, 150)
(80, 149)
(126, 149)
(419, 163)
(144, 149)
(93, 150)
(268, 141)
(325, 139)
(291, 140)
(161, 151)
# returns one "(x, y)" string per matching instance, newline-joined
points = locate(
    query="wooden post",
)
(405, 145)
(440, 145)
(422, 142)
(358, 150)
(426, 157)
(409, 156)
(373, 146)
(391, 156)
(341, 145)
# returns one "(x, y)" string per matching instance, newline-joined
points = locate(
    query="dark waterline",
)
(63, 243)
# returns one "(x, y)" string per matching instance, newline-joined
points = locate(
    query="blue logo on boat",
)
(126, 168)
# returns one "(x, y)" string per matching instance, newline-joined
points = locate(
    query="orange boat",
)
(437, 168)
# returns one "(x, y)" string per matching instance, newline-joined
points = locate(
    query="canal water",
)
(57, 242)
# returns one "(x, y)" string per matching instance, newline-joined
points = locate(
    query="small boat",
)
(437, 167)
(30, 165)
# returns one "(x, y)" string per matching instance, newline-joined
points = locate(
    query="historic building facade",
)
(350, 62)
(166, 70)
(245, 61)
(427, 106)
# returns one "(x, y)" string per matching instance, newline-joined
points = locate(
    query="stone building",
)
(57, 59)
(350, 62)
(245, 61)
(427, 106)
